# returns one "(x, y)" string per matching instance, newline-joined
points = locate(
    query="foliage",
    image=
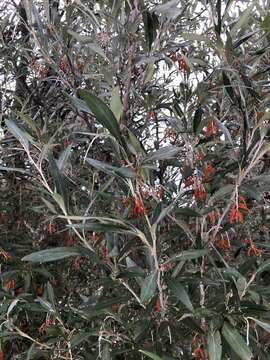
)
(134, 177)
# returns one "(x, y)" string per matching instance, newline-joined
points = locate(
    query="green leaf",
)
(149, 287)
(165, 153)
(53, 254)
(19, 134)
(102, 112)
(236, 341)
(242, 21)
(123, 172)
(262, 324)
(265, 265)
(180, 292)
(197, 118)
(187, 212)
(151, 355)
(116, 103)
(151, 24)
(214, 345)
(188, 255)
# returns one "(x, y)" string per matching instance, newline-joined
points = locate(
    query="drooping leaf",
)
(102, 112)
(214, 346)
(236, 341)
(19, 134)
(151, 24)
(116, 103)
(150, 355)
(149, 286)
(180, 292)
(53, 254)
(165, 153)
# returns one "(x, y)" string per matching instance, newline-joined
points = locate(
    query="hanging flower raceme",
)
(188, 182)
(199, 354)
(212, 129)
(252, 248)
(209, 172)
(200, 192)
(10, 284)
(238, 211)
(138, 208)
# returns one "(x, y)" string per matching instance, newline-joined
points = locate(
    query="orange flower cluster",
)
(170, 134)
(200, 192)
(212, 217)
(200, 156)
(209, 172)
(51, 229)
(157, 306)
(10, 284)
(237, 212)
(188, 182)
(182, 64)
(46, 323)
(138, 208)
(223, 244)
(199, 353)
(212, 129)
(252, 249)
(64, 64)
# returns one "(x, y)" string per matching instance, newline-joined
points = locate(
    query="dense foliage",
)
(134, 178)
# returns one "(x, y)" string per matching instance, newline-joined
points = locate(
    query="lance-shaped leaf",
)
(165, 153)
(102, 112)
(123, 172)
(53, 254)
(214, 345)
(180, 292)
(19, 134)
(150, 355)
(236, 342)
(149, 287)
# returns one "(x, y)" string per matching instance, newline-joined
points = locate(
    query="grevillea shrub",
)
(134, 178)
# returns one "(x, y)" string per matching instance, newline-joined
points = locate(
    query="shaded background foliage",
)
(134, 210)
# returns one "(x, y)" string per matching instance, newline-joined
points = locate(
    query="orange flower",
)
(157, 306)
(200, 192)
(199, 353)
(2, 219)
(188, 181)
(182, 64)
(253, 250)
(46, 323)
(236, 214)
(51, 228)
(212, 129)
(64, 63)
(212, 217)
(223, 244)
(138, 209)
(200, 156)
(70, 240)
(10, 284)
(170, 134)
(209, 172)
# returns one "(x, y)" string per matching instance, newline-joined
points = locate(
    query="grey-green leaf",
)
(53, 254)
(180, 292)
(149, 287)
(236, 341)
(102, 112)
(214, 345)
